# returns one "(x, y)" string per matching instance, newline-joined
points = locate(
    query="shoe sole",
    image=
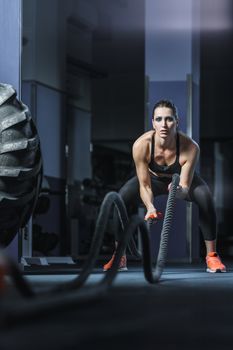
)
(215, 271)
(120, 269)
(123, 269)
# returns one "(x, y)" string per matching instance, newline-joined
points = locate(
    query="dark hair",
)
(168, 104)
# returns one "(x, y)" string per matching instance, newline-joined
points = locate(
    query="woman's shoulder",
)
(187, 143)
(186, 140)
(141, 146)
(144, 139)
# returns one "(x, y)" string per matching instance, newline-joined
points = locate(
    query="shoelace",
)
(214, 260)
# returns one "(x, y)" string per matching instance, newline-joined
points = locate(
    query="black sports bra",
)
(165, 169)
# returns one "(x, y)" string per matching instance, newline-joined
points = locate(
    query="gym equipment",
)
(20, 164)
(63, 296)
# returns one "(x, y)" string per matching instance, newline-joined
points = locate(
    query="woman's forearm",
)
(147, 197)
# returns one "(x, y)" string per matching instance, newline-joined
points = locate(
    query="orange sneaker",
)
(122, 264)
(214, 263)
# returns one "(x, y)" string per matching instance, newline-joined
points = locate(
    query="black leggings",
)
(199, 193)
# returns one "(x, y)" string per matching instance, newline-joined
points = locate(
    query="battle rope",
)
(134, 223)
(129, 226)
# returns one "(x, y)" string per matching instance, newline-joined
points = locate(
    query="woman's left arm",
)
(187, 170)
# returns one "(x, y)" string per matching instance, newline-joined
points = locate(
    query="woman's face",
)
(164, 122)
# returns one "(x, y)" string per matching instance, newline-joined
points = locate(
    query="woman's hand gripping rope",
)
(153, 217)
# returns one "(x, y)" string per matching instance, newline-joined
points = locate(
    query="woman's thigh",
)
(130, 192)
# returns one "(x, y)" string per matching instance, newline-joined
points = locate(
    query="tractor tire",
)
(20, 164)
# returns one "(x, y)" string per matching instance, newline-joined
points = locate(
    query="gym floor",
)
(188, 309)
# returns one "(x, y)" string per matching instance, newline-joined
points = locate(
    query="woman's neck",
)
(166, 143)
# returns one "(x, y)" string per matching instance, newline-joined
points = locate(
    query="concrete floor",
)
(188, 309)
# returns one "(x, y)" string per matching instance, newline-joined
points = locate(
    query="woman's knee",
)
(199, 191)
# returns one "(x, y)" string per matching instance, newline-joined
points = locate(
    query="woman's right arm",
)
(142, 169)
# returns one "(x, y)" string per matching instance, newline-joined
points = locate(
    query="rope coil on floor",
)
(129, 226)
(135, 222)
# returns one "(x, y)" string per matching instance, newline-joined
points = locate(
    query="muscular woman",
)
(158, 154)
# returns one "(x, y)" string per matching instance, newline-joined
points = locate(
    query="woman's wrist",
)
(150, 208)
(182, 192)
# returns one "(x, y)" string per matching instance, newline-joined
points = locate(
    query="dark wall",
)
(216, 69)
(118, 51)
(216, 122)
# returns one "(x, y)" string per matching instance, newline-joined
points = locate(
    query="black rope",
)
(55, 299)
(166, 227)
(18, 279)
(69, 294)
(137, 222)
(112, 198)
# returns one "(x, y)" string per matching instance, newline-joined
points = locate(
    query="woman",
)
(158, 154)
